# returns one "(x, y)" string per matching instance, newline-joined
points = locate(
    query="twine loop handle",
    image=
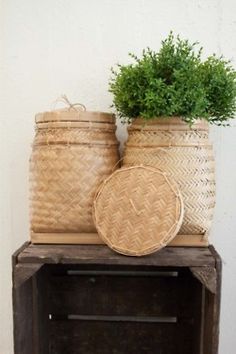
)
(71, 106)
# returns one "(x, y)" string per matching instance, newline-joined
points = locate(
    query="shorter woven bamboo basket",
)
(185, 154)
(73, 152)
(138, 210)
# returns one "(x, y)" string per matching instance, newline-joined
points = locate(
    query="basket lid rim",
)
(107, 187)
(74, 116)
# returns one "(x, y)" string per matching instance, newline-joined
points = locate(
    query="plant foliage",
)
(175, 82)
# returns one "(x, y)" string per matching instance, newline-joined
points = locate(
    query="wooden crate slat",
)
(23, 316)
(107, 295)
(73, 337)
(212, 311)
(22, 299)
(100, 254)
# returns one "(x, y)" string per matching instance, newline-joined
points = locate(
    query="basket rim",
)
(74, 116)
(167, 123)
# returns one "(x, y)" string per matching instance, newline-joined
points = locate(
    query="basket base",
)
(94, 239)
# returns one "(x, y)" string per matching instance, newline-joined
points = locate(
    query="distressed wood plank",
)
(23, 319)
(41, 311)
(99, 254)
(91, 337)
(207, 276)
(17, 252)
(22, 272)
(123, 295)
(212, 311)
(22, 301)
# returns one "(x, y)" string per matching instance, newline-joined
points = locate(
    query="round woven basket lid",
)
(138, 210)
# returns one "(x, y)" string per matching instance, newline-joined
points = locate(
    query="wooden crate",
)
(89, 300)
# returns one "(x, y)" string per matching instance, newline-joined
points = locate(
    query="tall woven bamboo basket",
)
(187, 155)
(73, 152)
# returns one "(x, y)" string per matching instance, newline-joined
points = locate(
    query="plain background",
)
(52, 47)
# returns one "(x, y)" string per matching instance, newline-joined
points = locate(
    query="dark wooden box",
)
(90, 300)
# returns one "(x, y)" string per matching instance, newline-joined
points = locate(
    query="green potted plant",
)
(170, 97)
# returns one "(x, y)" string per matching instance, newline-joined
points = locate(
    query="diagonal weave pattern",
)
(138, 210)
(67, 165)
(187, 156)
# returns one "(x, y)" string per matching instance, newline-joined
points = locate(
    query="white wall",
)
(51, 47)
